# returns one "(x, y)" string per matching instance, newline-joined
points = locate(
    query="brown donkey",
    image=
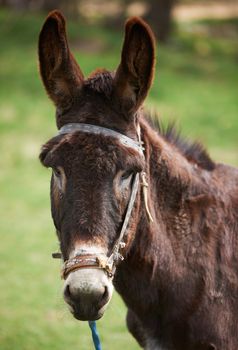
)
(135, 207)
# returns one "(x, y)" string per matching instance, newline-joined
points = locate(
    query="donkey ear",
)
(59, 71)
(135, 73)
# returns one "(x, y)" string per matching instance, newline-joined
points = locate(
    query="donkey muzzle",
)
(88, 287)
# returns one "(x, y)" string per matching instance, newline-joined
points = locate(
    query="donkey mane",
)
(192, 151)
(101, 81)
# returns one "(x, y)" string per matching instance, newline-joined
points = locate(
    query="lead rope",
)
(95, 335)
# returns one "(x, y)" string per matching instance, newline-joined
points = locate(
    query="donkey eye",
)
(126, 175)
(59, 178)
(57, 172)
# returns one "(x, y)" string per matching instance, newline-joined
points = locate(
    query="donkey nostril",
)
(105, 295)
(67, 293)
(71, 294)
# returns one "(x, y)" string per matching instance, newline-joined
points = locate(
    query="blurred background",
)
(196, 85)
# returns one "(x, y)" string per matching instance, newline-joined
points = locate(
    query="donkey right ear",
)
(136, 71)
(59, 71)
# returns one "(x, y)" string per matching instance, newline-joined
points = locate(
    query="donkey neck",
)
(170, 177)
(158, 253)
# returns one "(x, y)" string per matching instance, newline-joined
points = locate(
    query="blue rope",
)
(95, 335)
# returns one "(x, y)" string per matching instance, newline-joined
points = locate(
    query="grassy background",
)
(195, 84)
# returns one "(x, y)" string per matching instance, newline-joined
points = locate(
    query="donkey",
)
(136, 207)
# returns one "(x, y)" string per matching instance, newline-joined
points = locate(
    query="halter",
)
(108, 264)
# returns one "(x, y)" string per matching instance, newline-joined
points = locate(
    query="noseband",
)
(108, 264)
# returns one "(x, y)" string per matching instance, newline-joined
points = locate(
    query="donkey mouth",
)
(91, 315)
(81, 317)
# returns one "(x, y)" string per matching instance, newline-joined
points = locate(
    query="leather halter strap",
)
(99, 130)
(108, 264)
(83, 261)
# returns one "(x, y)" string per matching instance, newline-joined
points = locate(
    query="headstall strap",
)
(96, 129)
(108, 264)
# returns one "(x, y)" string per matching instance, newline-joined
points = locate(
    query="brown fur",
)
(179, 278)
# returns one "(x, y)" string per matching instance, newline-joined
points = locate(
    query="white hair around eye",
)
(59, 178)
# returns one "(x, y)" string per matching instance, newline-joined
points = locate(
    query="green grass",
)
(195, 84)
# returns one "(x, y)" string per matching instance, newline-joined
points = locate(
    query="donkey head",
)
(92, 174)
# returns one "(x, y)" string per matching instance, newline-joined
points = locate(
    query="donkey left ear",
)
(59, 71)
(135, 73)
